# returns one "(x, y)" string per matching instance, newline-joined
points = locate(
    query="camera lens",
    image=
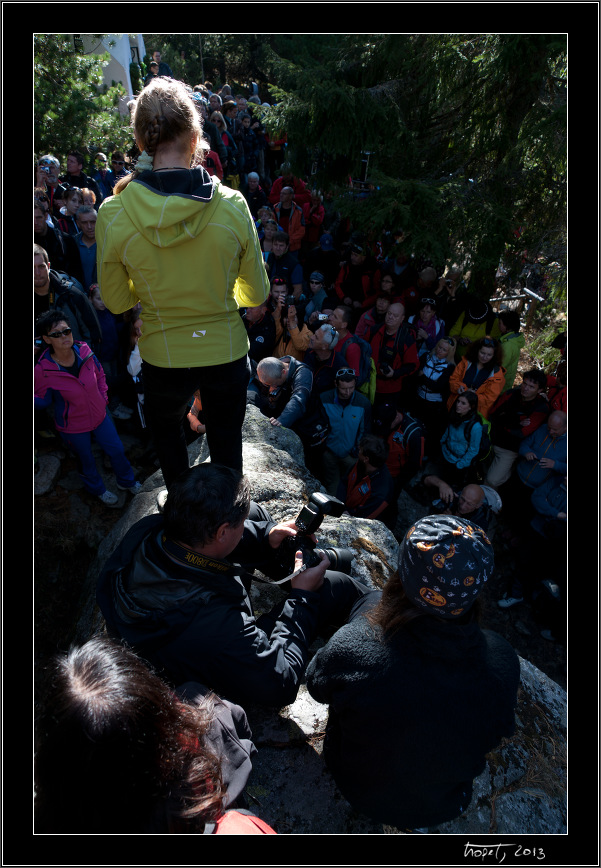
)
(340, 559)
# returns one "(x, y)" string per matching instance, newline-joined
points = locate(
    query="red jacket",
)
(358, 286)
(400, 352)
(301, 193)
(369, 495)
(296, 225)
(313, 221)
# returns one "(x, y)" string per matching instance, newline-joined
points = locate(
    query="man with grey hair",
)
(281, 390)
(254, 194)
(323, 359)
(215, 102)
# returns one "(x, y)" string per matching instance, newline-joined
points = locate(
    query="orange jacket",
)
(487, 393)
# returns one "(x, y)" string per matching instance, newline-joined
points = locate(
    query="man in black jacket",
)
(61, 248)
(515, 415)
(260, 328)
(53, 290)
(76, 177)
(175, 590)
(281, 390)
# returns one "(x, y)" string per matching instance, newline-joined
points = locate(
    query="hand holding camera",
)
(296, 539)
(311, 578)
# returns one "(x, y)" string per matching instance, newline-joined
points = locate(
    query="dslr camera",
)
(308, 521)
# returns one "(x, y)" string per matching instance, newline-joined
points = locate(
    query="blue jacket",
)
(549, 499)
(544, 446)
(348, 423)
(456, 448)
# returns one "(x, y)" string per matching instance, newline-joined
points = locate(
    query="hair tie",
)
(145, 162)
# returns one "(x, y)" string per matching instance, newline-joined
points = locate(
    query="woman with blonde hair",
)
(185, 246)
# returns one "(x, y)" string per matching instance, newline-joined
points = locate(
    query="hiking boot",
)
(507, 601)
(121, 412)
(108, 498)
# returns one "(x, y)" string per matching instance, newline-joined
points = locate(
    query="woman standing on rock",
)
(186, 247)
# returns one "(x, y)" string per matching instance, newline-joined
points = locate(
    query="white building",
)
(124, 49)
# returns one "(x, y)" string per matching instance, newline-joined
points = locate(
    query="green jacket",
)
(187, 248)
(512, 343)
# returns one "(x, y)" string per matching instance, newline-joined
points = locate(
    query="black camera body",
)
(309, 520)
(385, 369)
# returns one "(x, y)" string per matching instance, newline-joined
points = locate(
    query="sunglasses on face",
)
(118, 162)
(59, 334)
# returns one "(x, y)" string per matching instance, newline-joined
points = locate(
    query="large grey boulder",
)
(522, 789)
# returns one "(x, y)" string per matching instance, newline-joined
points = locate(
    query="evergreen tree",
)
(73, 108)
(466, 136)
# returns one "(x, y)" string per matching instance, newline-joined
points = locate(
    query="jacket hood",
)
(515, 337)
(80, 348)
(170, 208)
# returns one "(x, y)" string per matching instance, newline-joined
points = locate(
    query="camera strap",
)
(196, 561)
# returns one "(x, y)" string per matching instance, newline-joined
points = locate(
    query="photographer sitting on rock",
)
(175, 590)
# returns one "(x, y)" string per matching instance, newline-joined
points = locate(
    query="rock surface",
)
(523, 788)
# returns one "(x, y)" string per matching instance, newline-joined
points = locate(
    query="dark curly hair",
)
(474, 348)
(118, 752)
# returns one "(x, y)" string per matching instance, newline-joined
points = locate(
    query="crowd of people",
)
(199, 275)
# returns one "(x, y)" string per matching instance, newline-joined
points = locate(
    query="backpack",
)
(366, 380)
(410, 425)
(485, 440)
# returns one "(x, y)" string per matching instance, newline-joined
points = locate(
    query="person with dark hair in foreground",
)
(118, 751)
(414, 662)
(177, 589)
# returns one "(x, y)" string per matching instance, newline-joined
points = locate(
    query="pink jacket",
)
(79, 402)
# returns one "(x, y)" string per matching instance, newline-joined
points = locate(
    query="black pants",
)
(167, 395)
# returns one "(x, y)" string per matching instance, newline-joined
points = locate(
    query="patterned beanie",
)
(444, 562)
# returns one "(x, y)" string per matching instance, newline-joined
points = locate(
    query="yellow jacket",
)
(187, 248)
